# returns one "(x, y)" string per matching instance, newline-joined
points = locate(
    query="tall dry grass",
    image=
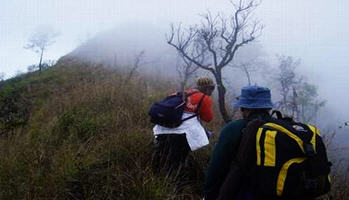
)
(82, 132)
(87, 136)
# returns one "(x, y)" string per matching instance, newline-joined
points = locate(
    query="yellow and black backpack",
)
(279, 158)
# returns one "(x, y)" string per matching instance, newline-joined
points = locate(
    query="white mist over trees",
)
(149, 53)
(252, 64)
(298, 97)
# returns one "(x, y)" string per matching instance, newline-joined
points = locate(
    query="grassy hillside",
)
(82, 132)
(79, 132)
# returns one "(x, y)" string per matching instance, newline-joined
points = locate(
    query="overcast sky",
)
(315, 31)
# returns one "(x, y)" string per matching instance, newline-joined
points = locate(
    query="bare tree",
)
(212, 44)
(308, 102)
(40, 40)
(138, 61)
(247, 67)
(186, 70)
(299, 98)
(288, 81)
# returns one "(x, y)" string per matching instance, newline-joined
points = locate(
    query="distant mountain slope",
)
(118, 47)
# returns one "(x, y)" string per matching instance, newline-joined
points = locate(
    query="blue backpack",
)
(169, 111)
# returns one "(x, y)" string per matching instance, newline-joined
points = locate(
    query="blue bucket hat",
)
(254, 97)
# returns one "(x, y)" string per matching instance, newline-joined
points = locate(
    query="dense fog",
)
(115, 32)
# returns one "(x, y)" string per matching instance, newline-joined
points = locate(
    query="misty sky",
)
(315, 31)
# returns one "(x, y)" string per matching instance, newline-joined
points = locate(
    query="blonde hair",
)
(204, 81)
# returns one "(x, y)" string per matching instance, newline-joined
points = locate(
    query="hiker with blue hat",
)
(261, 157)
(254, 102)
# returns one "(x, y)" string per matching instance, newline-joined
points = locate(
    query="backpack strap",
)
(280, 117)
(309, 149)
(278, 114)
(189, 94)
(197, 108)
(184, 96)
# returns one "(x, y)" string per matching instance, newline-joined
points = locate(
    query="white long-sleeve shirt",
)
(195, 133)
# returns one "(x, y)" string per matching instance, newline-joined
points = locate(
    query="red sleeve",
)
(205, 110)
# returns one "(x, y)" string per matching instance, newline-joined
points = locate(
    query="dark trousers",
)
(249, 195)
(171, 151)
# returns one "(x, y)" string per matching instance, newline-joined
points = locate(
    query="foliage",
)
(308, 101)
(299, 98)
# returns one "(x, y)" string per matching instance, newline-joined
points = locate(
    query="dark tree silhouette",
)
(212, 44)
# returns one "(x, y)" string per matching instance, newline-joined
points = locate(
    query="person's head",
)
(205, 85)
(254, 99)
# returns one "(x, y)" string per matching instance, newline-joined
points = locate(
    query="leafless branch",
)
(137, 63)
(217, 39)
(183, 43)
